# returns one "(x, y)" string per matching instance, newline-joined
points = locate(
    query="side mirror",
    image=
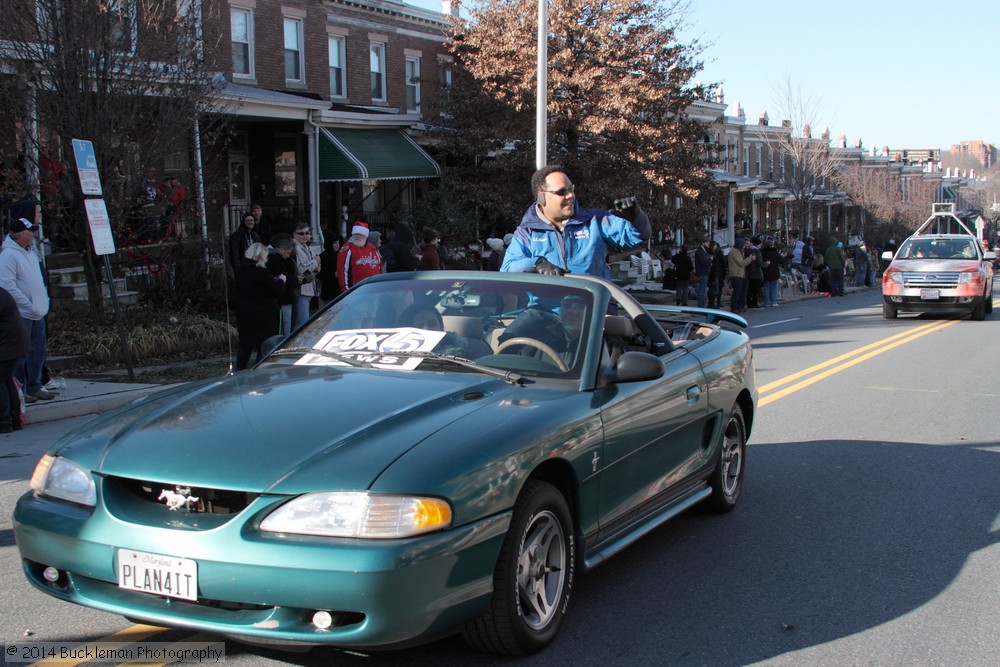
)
(638, 366)
(989, 255)
(887, 255)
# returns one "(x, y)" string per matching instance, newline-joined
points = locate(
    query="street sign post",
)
(100, 228)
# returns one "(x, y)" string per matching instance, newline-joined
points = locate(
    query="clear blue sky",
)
(902, 73)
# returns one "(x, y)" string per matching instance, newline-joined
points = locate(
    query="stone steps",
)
(69, 283)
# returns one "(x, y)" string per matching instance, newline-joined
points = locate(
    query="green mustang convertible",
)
(431, 453)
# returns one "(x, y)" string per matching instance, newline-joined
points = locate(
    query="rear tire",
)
(533, 576)
(888, 312)
(727, 478)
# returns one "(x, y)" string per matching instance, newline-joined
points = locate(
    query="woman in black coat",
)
(257, 294)
(14, 344)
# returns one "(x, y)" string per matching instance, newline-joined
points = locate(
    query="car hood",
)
(282, 429)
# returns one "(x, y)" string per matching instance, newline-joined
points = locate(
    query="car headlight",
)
(341, 514)
(58, 477)
(895, 276)
(966, 277)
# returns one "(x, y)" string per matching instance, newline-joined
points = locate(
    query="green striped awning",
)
(949, 194)
(363, 154)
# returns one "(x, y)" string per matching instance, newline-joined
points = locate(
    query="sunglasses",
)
(303, 233)
(562, 192)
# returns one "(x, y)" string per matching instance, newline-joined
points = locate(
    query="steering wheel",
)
(538, 345)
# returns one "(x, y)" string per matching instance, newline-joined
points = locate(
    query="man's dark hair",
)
(281, 241)
(538, 178)
(430, 234)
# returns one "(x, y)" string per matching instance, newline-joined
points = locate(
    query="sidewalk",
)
(87, 397)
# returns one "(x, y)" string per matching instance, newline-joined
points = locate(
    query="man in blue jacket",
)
(556, 236)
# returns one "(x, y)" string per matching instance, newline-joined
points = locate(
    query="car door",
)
(653, 433)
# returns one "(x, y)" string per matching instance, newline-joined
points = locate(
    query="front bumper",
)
(380, 593)
(910, 301)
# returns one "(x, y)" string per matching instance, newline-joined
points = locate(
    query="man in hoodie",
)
(556, 236)
(21, 275)
(399, 254)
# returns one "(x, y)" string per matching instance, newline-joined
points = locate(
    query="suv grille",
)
(941, 279)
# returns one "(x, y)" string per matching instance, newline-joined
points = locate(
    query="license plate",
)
(930, 294)
(158, 575)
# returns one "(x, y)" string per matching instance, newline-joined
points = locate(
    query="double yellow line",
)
(770, 392)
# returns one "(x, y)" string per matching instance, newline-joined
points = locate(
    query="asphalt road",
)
(867, 533)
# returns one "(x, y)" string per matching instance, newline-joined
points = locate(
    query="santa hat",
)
(360, 228)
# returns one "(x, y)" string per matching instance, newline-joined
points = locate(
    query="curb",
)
(65, 408)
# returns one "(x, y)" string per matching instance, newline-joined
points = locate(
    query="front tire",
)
(979, 311)
(727, 478)
(533, 576)
(888, 312)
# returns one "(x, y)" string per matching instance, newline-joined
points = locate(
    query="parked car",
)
(432, 452)
(942, 268)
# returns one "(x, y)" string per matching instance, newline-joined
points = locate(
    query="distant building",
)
(915, 155)
(985, 154)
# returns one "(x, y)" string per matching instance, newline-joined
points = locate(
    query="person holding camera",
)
(307, 264)
(556, 236)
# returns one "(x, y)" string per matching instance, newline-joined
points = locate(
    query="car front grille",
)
(209, 501)
(939, 279)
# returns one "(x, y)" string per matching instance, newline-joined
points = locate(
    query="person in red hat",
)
(358, 259)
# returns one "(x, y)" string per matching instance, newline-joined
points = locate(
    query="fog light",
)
(50, 574)
(322, 620)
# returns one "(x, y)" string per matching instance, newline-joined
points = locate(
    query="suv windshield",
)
(527, 328)
(923, 248)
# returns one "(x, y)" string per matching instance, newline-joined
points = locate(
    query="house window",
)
(746, 160)
(377, 52)
(759, 167)
(293, 49)
(338, 73)
(444, 73)
(123, 24)
(241, 26)
(413, 85)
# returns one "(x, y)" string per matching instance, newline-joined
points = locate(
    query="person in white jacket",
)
(21, 275)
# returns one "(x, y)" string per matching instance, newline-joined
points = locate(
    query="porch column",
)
(312, 148)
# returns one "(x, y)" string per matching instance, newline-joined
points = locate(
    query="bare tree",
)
(129, 75)
(809, 165)
(620, 83)
(871, 189)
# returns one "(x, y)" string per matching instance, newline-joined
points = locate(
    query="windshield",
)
(922, 248)
(526, 328)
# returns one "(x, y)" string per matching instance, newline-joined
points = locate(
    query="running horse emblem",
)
(177, 499)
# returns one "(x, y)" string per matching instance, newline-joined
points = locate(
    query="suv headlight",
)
(340, 514)
(895, 276)
(966, 277)
(58, 477)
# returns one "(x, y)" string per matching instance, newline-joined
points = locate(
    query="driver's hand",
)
(547, 268)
